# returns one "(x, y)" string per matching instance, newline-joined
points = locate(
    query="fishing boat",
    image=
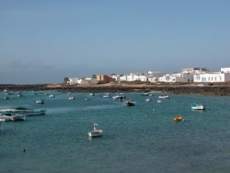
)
(19, 95)
(198, 107)
(178, 118)
(91, 94)
(10, 117)
(107, 95)
(145, 93)
(148, 100)
(116, 97)
(163, 97)
(22, 110)
(159, 101)
(51, 96)
(5, 90)
(95, 132)
(71, 98)
(39, 102)
(2, 120)
(18, 117)
(130, 103)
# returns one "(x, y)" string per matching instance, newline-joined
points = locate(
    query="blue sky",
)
(46, 40)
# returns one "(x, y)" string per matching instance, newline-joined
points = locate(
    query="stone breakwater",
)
(218, 89)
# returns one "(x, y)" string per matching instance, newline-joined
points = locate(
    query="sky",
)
(45, 40)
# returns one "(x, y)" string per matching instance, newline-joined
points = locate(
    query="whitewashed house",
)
(134, 77)
(225, 70)
(176, 77)
(213, 77)
(116, 77)
(72, 81)
(152, 79)
(152, 76)
(80, 81)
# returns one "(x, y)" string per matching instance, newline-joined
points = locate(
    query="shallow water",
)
(141, 138)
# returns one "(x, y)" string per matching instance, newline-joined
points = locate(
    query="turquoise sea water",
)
(136, 139)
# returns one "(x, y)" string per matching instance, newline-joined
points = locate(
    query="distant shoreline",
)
(214, 89)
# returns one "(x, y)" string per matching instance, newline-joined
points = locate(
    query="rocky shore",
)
(217, 89)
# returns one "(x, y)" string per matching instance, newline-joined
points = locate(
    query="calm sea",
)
(136, 139)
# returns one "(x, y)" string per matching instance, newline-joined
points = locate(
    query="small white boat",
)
(51, 96)
(148, 100)
(107, 95)
(163, 97)
(145, 93)
(116, 97)
(39, 102)
(198, 107)
(12, 117)
(22, 110)
(2, 120)
(159, 101)
(91, 94)
(71, 98)
(5, 90)
(95, 132)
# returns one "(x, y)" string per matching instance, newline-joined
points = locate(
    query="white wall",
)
(225, 70)
(73, 81)
(176, 77)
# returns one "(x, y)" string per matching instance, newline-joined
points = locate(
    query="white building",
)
(82, 81)
(194, 70)
(72, 81)
(134, 77)
(176, 77)
(152, 79)
(214, 77)
(225, 70)
(116, 77)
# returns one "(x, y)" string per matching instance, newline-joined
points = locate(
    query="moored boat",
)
(159, 101)
(22, 110)
(178, 118)
(148, 100)
(107, 95)
(130, 103)
(5, 90)
(198, 107)
(91, 94)
(95, 132)
(163, 97)
(39, 101)
(116, 97)
(51, 96)
(9, 117)
(18, 117)
(71, 98)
